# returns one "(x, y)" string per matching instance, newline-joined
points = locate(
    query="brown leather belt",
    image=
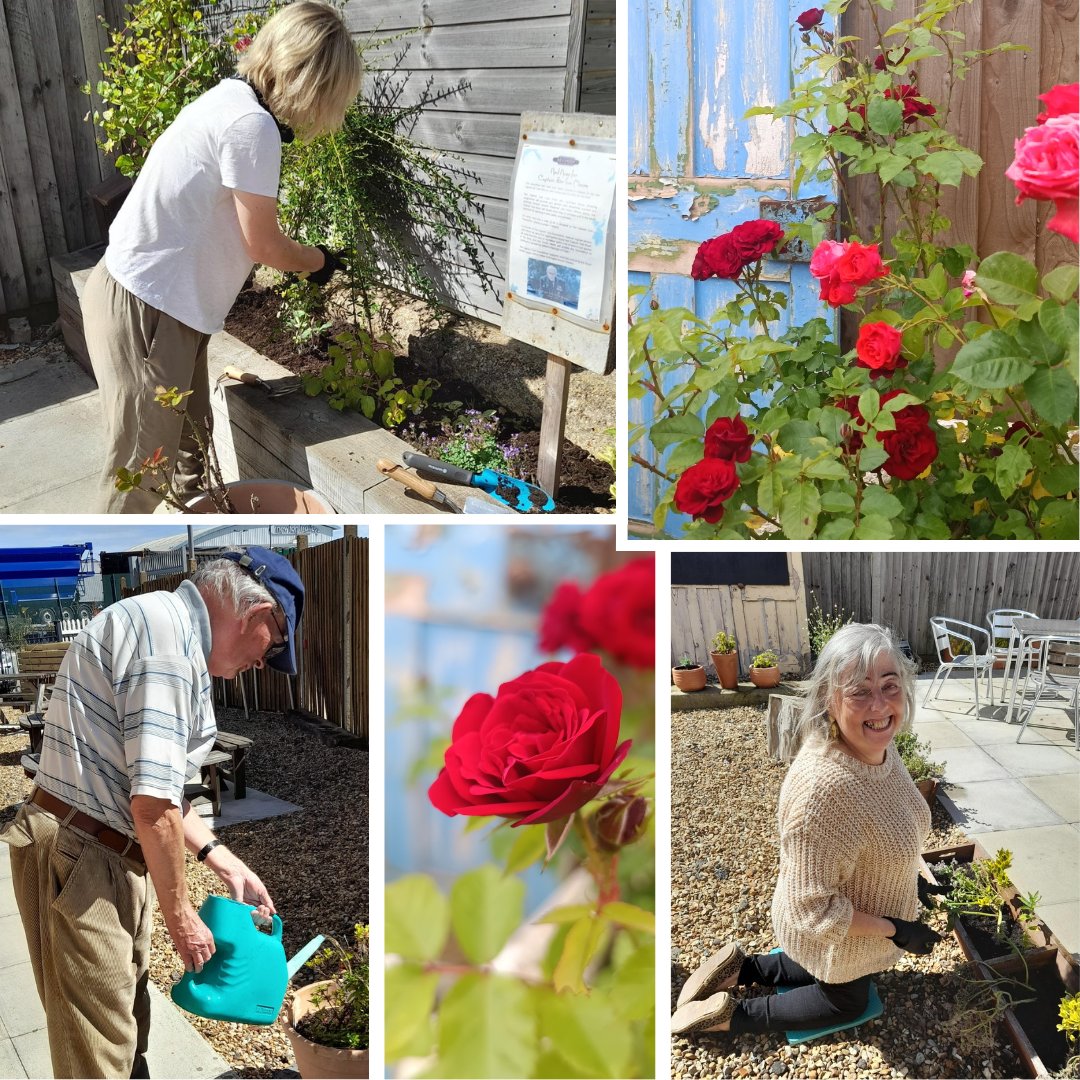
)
(113, 840)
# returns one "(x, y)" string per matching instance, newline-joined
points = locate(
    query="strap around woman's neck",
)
(287, 134)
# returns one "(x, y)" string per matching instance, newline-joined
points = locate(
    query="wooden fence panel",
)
(907, 588)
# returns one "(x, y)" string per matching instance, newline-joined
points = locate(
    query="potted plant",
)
(688, 675)
(764, 672)
(926, 773)
(725, 659)
(327, 1022)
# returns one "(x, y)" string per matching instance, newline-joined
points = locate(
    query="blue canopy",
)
(47, 573)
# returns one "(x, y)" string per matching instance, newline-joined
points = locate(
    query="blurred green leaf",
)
(410, 998)
(485, 909)
(417, 918)
(581, 945)
(587, 1032)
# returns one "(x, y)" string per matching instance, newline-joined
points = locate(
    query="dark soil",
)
(584, 481)
(1039, 1018)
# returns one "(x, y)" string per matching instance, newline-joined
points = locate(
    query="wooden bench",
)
(210, 781)
(38, 668)
(236, 748)
(34, 726)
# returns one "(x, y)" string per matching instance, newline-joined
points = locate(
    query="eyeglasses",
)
(276, 648)
(863, 696)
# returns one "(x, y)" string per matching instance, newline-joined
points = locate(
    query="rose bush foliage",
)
(955, 414)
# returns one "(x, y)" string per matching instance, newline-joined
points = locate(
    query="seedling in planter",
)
(976, 896)
(913, 753)
(685, 663)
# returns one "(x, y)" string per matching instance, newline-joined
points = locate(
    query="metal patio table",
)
(1031, 630)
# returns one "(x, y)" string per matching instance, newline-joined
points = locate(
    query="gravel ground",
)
(313, 862)
(724, 852)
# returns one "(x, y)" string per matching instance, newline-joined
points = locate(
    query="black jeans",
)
(814, 1004)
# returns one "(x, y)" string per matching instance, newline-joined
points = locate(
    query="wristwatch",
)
(201, 857)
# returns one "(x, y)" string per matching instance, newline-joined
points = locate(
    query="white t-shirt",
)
(176, 242)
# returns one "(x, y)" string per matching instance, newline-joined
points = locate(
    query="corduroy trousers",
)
(814, 1004)
(87, 913)
(135, 348)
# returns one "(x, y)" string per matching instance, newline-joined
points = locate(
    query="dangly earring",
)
(834, 729)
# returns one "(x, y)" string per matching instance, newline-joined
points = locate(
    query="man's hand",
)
(191, 938)
(242, 882)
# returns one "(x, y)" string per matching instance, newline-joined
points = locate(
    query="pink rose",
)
(842, 268)
(967, 283)
(1047, 166)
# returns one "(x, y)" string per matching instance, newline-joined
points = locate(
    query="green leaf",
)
(931, 527)
(1062, 325)
(1062, 282)
(837, 530)
(1011, 468)
(487, 1028)
(770, 491)
(634, 918)
(837, 502)
(485, 909)
(567, 914)
(892, 166)
(1053, 394)
(528, 847)
(410, 998)
(632, 990)
(884, 115)
(1007, 278)
(1060, 479)
(874, 527)
(581, 945)
(587, 1032)
(799, 511)
(684, 455)
(872, 455)
(1059, 520)
(869, 405)
(417, 918)
(992, 362)
(944, 166)
(826, 468)
(876, 500)
(676, 429)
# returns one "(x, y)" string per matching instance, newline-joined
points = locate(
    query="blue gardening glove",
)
(914, 937)
(928, 891)
(331, 264)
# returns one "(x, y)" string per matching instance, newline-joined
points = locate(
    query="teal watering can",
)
(245, 980)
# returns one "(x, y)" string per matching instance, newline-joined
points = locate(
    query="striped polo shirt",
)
(131, 712)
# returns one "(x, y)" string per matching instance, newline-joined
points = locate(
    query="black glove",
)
(914, 937)
(331, 263)
(927, 892)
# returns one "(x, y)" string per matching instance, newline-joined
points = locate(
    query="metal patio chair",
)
(1054, 671)
(945, 631)
(1001, 622)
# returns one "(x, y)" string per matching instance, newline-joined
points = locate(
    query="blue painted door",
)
(698, 167)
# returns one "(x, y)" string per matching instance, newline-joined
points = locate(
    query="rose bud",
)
(621, 821)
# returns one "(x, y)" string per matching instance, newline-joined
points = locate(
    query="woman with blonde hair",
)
(852, 824)
(202, 212)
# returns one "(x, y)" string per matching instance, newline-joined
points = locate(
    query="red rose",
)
(619, 613)
(560, 621)
(1061, 100)
(843, 267)
(704, 487)
(908, 96)
(852, 440)
(717, 258)
(810, 18)
(540, 749)
(753, 239)
(881, 60)
(878, 348)
(728, 437)
(242, 43)
(912, 446)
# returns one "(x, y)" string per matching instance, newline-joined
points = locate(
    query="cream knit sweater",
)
(850, 838)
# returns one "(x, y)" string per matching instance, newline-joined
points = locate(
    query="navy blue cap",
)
(275, 573)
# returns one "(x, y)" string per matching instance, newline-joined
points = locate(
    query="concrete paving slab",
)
(1061, 792)
(7, 898)
(1064, 921)
(967, 763)
(1031, 759)
(33, 1051)
(988, 805)
(1045, 859)
(255, 807)
(985, 732)
(19, 1002)
(941, 733)
(176, 1049)
(1058, 736)
(11, 1065)
(13, 948)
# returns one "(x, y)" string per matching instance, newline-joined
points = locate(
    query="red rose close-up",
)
(729, 438)
(913, 105)
(1047, 166)
(717, 258)
(842, 268)
(1061, 100)
(878, 348)
(619, 613)
(560, 621)
(913, 445)
(754, 239)
(810, 18)
(704, 488)
(541, 748)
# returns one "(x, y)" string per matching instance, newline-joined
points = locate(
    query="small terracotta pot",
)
(313, 1059)
(688, 679)
(268, 496)
(765, 677)
(727, 669)
(928, 790)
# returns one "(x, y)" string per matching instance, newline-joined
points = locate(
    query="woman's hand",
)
(927, 891)
(914, 937)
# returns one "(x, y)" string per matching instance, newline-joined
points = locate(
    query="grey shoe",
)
(707, 979)
(696, 1016)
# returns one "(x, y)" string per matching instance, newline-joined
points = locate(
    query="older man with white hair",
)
(106, 824)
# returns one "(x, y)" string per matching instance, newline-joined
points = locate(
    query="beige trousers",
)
(134, 348)
(87, 913)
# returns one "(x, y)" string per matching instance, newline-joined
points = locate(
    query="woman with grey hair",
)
(851, 827)
(202, 212)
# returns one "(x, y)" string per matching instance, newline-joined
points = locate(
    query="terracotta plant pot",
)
(928, 790)
(313, 1059)
(727, 669)
(273, 497)
(688, 679)
(765, 677)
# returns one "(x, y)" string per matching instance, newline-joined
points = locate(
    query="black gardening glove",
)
(914, 937)
(927, 892)
(331, 263)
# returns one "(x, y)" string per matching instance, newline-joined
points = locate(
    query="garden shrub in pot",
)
(764, 672)
(926, 773)
(688, 675)
(725, 659)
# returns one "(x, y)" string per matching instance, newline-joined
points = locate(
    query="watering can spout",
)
(297, 961)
